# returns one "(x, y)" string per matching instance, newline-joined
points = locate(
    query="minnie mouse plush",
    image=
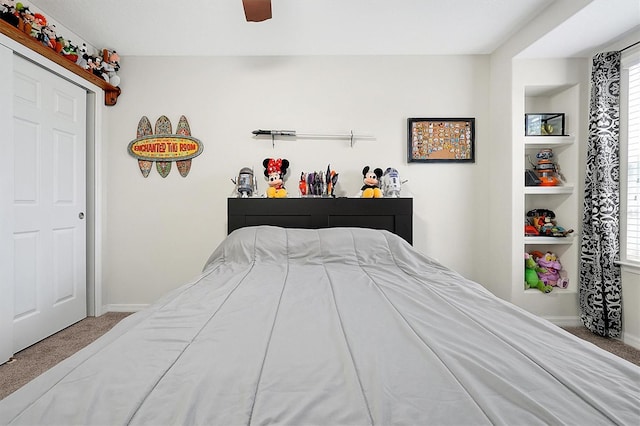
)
(274, 171)
(371, 179)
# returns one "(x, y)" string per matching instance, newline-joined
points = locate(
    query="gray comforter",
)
(327, 327)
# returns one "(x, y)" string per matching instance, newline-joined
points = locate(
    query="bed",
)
(335, 326)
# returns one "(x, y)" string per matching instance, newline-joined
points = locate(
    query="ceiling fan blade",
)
(257, 10)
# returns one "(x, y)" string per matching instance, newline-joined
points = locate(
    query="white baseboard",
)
(123, 307)
(565, 321)
(630, 340)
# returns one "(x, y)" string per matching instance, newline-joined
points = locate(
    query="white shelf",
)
(549, 190)
(555, 291)
(549, 240)
(542, 141)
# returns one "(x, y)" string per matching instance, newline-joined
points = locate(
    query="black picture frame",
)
(441, 140)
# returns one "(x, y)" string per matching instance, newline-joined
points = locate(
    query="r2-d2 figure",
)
(391, 183)
(246, 183)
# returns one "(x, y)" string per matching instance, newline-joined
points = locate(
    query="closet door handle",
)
(81, 215)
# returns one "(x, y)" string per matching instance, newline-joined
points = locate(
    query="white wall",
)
(630, 304)
(504, 243)
(160, 231)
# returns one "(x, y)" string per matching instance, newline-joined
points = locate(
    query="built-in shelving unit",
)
(549, 86)
(111, 92)
(562, 198)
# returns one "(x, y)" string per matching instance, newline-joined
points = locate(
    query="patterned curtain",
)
(600, 282)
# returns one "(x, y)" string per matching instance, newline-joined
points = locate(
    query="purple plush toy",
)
(555, 275)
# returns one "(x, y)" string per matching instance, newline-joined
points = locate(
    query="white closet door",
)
(48, 202)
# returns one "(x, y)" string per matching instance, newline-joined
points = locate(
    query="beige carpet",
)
(614, 346)
(36, 359)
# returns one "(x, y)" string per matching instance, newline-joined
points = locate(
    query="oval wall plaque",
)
(163, 147)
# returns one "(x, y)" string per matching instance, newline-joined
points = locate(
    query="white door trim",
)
(96, 205)
(7, 288)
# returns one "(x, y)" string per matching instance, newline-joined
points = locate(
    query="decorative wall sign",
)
(441, 140)
(163, 127)
(163, 146)
(144, 129)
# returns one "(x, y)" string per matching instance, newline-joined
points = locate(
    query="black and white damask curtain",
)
(600, 282)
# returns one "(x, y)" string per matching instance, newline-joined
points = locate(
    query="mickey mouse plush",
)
(274, 171)
(371, 179)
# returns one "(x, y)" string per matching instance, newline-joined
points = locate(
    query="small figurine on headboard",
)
(371, 179)
(391, 183)
(274, 171)
(245, 183)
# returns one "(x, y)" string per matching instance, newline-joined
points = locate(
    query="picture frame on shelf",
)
(441, 140)
(544, 124)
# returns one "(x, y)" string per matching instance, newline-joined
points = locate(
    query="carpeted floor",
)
(614, 346)
(35, 360)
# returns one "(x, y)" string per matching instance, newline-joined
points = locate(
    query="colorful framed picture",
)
(441, 140)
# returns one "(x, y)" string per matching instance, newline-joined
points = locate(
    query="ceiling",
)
(327, 27)
(600, 22)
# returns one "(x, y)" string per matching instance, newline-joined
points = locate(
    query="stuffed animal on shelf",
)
(531, 271)
(70, 51)
(112, 57)
(98, 70)
(48, 37)
(9, 13)
(111, 65)
(274, 171)
(25, 18)
(109, 74)
(83, 57)
(553, 274)
(371, 179)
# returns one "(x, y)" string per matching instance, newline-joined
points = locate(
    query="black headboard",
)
(393, 214)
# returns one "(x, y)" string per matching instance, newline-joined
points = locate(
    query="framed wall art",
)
(437, 140)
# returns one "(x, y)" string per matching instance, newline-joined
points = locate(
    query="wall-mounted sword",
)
(273, 133)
